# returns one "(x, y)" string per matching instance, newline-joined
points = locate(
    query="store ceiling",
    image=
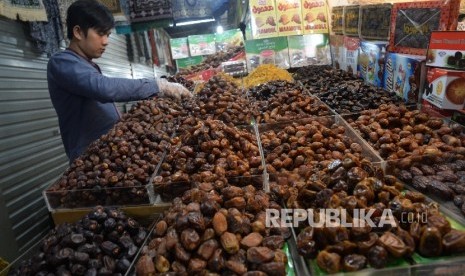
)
(224, 16)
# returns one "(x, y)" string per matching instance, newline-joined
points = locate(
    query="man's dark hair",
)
(89, 14)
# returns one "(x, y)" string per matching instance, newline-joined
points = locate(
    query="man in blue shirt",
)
(83, 98)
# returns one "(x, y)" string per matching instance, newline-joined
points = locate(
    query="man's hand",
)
(172, 90)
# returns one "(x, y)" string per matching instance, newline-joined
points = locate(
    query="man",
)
(83, 98)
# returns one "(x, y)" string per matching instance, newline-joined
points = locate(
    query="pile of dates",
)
(125, 158)
(222, 100)
(104, 242)
(283, 101)
(446, 180)
(408, 136)
(216, 232)
(206, 151)
(189, 84)
(412, 225)
(298, 145)
(341, 91)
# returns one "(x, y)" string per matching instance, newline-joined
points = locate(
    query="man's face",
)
(94, 43)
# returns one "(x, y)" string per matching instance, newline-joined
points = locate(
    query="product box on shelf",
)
(375, 21)
(445, 88)
(447, 49)
(202, 44)
(179, 48)
(228, 39)
(351, 20)
(289, 15)
(413, 22)
(371, 61)
(310, 49)
(184, 63)
(263, 18)
(402, 75)
(337, 18)
(433, 110)
(267, 51)
(336, 43)
(315, 16)
(351, 47)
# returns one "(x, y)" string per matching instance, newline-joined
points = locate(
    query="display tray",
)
(169, 184)
(169, 190)
(266, 132)
(416, 265)
(270, 113)
(36, 248)
(105, 196)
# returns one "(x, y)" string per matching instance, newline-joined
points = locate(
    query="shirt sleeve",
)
(79, 77)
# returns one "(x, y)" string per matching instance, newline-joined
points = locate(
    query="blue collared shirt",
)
(84, 99)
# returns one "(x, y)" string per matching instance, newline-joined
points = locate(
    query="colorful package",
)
(337, 16)
(289, 15)
(263, 18)
(402, 75)
(179, 48)
(314, 16)
(351, 47)
(267, 51)
(228, 39)
(413, 22)
(351, 19)
(336, 43)
(375, 21)
(445, 88)
(447, 49)
(310, 49)
(202, 44)
(188, 62)
(371, 61)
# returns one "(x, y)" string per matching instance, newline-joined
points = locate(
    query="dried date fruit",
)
(329, 262)
(377, 256)
(229, 242)
(430, 242)
(260, 255)
(354, 262)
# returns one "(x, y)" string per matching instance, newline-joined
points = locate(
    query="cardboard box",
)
(375, 21)
(263, 18)
(402, 75)
(315, 16)
(310, 49)
(445, 88)
(371, 61)
(228, 39)
(336, 43)
(351, 47)
(188, 62)
(267, 51)
(202, 44)
(435, 111)
(413, 22)
(337, 16)
(351, 20)
(289, 15)
(179, 48)
(447, 49)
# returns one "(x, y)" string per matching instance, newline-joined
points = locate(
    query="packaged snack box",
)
(267, 51)
(314, 16)
(351, 20)
(337, 16)
(351, 47)
(402, 75)
(228, 39)
(263, 18)
(445, 88)
(447, 49)
(371, 61)
(202, 44)
(310, 49)
(179, 48)
(336, 43)
(375, 21)
(289, 15)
